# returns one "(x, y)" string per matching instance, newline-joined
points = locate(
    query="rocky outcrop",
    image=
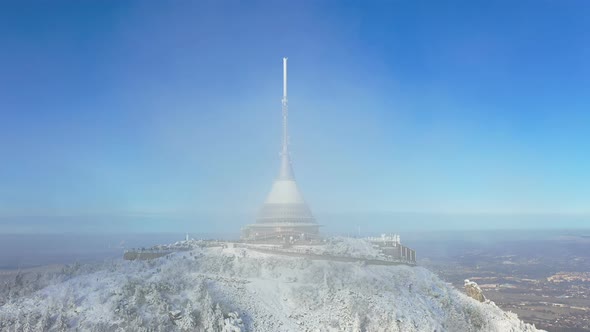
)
(473, 291)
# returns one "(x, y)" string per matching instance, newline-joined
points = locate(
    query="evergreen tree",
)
(43, 322)
(62, 322)
(27, 326)
(357, 324)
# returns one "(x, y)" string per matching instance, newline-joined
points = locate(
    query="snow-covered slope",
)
(235, 289)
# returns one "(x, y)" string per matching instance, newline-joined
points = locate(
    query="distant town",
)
(545, 281)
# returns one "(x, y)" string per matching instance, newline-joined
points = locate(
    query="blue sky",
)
(154, 116)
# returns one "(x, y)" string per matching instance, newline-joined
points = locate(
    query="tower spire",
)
(285, 213)
(286, 171)
(285, 108)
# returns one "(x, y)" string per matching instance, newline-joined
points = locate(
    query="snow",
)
(237, 289)
(342, 246)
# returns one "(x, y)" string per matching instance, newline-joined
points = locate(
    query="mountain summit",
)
(232, 288)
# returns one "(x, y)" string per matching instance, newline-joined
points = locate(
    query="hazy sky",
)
(159, 115)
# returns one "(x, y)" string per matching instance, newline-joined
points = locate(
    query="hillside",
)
(236, 289)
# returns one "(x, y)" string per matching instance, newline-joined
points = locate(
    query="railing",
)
(312, 254)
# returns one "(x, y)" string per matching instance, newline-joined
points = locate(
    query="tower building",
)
(284, 214)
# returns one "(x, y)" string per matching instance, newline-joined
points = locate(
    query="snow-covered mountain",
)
(239, 289)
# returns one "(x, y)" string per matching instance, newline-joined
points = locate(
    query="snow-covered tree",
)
(232, 323)
(43, 323)
(357, 324)
(62, 322)
(28, 324)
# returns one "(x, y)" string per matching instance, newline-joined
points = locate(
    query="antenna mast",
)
(286, 172)
(285, 109)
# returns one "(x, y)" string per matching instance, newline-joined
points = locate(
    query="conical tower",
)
(285, 214)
